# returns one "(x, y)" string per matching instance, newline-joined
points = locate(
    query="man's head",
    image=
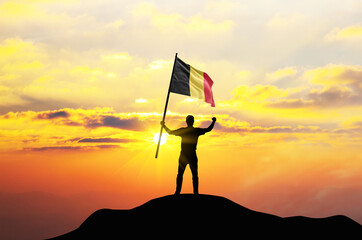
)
(190, 120)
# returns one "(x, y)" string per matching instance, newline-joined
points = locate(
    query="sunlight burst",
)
(163, 138)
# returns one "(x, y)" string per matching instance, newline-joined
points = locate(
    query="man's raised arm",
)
(211, 125)
(169, 131)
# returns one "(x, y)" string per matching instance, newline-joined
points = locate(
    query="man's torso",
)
(190, 136)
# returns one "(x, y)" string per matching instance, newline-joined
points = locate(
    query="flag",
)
(189, 81)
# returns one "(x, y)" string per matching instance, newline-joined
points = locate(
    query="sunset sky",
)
(83, 86)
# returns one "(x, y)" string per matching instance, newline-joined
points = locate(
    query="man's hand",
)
(214, 119)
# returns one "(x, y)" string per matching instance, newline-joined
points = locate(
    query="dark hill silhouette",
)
(192, 216)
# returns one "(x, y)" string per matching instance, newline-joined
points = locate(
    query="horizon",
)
(83, 86)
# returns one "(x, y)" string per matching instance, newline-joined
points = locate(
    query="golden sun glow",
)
(163, 138)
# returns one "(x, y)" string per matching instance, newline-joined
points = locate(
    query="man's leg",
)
(195, 177)
(181, 169)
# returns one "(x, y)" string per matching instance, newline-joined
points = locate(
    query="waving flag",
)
(189, 81)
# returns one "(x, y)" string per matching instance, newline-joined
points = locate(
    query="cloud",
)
(34, 77)
(334, 97)
(258, 93)
(88, 118)
(290, 103)
(331, 97)
(342, 87)
(190, 100)
(18, 50)
(352, 124)
(358, 124)
(159, 64)
(115, 122)
(219, 127)
(351, 32)
(261, 129)
(333, 74)
(16, 9)
(230, 125)
(38, 74)
(88, 129)
(71, 148)
(63, 127)
(253, 99)
(29, 18)
(174, 24)
(94, 118)
(280, 74)
(105, 140)
(55, 114)
(141, 100)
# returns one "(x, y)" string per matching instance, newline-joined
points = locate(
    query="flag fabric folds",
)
(187, 80)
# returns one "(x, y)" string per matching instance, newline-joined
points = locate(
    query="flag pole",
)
(164, 112)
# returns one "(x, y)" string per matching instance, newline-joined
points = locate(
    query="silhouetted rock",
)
(191, 216)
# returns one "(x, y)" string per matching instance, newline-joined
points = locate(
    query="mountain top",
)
(201, 215)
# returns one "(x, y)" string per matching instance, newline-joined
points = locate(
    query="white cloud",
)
(141, 100)
(159, 64)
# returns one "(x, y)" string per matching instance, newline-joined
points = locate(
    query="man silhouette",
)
(188, 155)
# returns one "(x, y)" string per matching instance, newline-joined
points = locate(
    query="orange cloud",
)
(81, 129)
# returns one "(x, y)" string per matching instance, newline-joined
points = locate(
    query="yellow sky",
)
(83, 85)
